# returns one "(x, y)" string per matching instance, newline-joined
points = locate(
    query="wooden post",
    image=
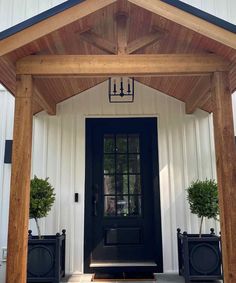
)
(122, 33)
(226, 173)
(20, 183)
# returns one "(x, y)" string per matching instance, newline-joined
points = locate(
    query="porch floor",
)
(160, 278)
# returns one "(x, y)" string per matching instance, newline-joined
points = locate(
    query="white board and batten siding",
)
(186, 146)
(224, 9)
(186, 152)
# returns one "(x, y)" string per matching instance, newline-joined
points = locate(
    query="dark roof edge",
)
(203, 15)
(38, 18)
(70, 3)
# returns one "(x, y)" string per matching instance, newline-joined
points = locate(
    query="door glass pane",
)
(109, 205)
(121, 164)
(122, 206)
(133, 141)
(135, 205)
(134, 163)
(109, 163)
(122, 177)
(122, 184)
(109, 184)
(134, 184)
(121, 143)
(109, 143)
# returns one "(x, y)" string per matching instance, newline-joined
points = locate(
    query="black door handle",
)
(95, 204)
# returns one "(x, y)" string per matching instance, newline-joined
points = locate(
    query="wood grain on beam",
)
(51, 24)
(20, 183)
(226, 170)
(120, 65)
(122, 32)
(45, 101)
(199, 94)
(121, 47)
(98, 41)
(144, 41)
(189, 21)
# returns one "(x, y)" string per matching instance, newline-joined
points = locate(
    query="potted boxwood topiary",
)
(199, 255)
(46, 254)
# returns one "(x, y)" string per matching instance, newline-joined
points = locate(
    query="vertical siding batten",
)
(3, 118)
(165, 183)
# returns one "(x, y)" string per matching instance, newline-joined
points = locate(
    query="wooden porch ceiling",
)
(90, 30)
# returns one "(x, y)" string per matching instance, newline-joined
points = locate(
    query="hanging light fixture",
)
(121, 90)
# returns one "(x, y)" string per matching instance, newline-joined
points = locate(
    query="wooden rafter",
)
(199, 95)
(122, 33)
(121, 65)
(98, 41)
(189, 21)
(45, 101)
(144, 41)
(122, 47)
(51, 24)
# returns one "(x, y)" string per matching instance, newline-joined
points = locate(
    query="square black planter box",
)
(46, 258)
(199, 257)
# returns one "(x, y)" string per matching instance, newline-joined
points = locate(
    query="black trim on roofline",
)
(70, 3)
(201, 14)
(38, 18)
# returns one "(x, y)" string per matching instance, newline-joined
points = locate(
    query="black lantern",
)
(121, 90)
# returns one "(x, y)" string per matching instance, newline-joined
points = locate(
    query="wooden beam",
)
(98, 41)
(226, 171)
(144, 41)
(79, 76)
(189, 21)
(51, 24)
(120, 65)
(45, 101)
(199, 95)
(122, 32)
(20, 183)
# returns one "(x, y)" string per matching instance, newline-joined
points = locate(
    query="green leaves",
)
(203, 198)
(42, 197)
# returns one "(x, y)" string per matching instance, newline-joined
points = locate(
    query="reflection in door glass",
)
(109, 163)
(134, 163)
(110, 205)
(109, 184)
(122, 175)
(122, 206)
(122, 184)
(134, 184)
(121, 143)
(133, 141)
(121, 164)
(109, 143)
(135, 205)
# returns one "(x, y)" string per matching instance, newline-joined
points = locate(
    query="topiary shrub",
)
(203, 200)
(42, 198)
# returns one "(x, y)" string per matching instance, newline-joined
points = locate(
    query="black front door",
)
(122, 211)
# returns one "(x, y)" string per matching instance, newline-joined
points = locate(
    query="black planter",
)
(199, 258)
(46, 258)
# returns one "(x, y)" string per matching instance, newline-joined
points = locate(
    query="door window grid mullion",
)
(115, 174)
(127, 157)
(128, 195)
